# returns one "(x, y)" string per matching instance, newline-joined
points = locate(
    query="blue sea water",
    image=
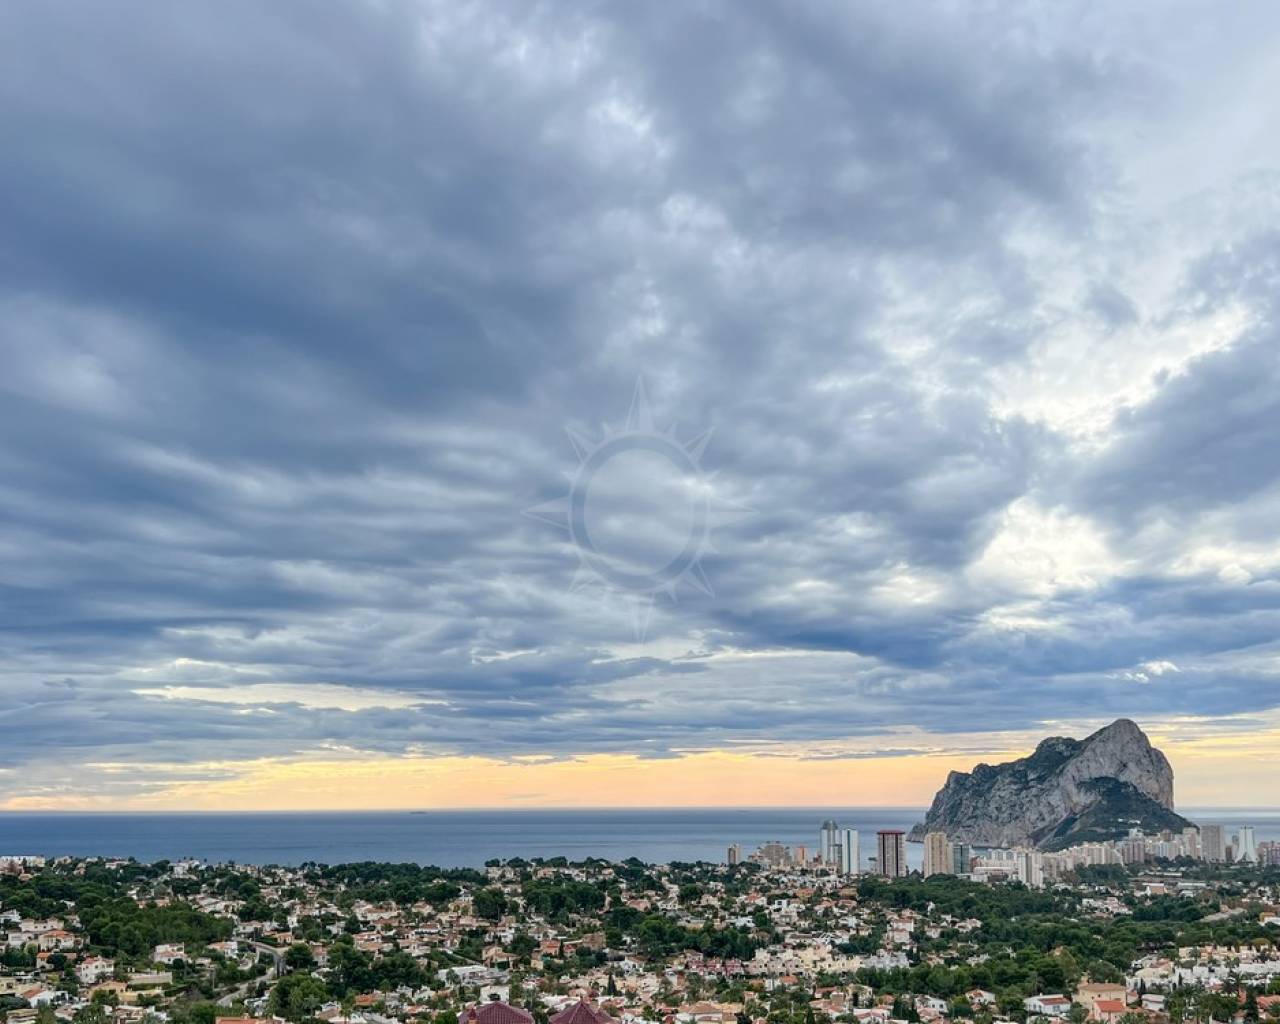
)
(445, 838)
(468, 838)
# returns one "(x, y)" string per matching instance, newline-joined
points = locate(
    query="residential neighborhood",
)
(101, 941)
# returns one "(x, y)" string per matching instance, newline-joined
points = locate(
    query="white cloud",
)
(339, 698)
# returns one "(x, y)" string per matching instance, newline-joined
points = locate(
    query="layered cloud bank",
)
(299, 299)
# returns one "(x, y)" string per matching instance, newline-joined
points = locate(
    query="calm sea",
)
(468, 838)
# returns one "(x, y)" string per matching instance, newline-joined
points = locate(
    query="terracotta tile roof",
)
(582, 1012)
(495, 1013)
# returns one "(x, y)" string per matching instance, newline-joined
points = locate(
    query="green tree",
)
(490, 904)
(195, 1013)
(90, 1013)
(297, 997)
(299, 958)
(350, 969)
(522, 945)
(1105, 972)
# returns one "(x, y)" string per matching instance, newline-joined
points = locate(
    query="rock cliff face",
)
(1067, 792)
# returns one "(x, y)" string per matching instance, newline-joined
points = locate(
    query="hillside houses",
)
(687, 945)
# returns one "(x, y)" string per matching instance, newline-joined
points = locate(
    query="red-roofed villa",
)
(495, 1013)
(582, 1012)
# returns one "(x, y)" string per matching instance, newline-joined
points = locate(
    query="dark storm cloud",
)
(1206, 440)
(297, 299)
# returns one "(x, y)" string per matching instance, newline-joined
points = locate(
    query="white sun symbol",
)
(601, 562)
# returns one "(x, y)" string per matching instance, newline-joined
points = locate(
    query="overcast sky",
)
(303, 305)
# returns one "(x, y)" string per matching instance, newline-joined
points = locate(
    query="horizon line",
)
(480, 808)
